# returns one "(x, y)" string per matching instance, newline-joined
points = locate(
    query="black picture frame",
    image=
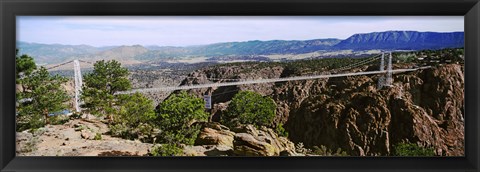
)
(11, 8)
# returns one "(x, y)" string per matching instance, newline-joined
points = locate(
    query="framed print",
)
(239, 86)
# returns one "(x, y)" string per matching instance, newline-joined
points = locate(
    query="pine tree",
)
(25, 65)
(135, 109)
(176, 116)
(43, 94)
(100, 86)
(135, 118)
(249, 107)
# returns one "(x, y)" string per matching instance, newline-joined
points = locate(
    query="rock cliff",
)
(351, 113)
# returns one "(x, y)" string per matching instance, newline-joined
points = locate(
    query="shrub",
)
(248, 107)
(30, 145)
(135, 109)
(176, 116)
(120, 130)
(144, 132)
(166, 150)
(76, 115)
(135, 118)
(324, 151)
(98, 136)
(59, 119)
(412, 149)
(32, 121)
(281, 131)
(300, 148)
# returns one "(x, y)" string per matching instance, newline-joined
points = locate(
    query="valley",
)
(391, 93)
(350, 114)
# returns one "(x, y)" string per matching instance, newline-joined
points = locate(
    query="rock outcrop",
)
(250, 141)
(437, 98)
(218, 140)
(77, 138)
(215, 134)
(424, 107)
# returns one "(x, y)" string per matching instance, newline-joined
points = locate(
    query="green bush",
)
(98, 136)
(324, 151)
(31, 121)
(176, 116)
(135, 109)
(412, 149)
(121, 130)
(76, 115)
(166, 150)
(143, 132)
(281, 131)
(248, 107)
(135, 118)
(59, 119)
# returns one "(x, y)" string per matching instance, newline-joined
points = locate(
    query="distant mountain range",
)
(389, 40)
(406, 40)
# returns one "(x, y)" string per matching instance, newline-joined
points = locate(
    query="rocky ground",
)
(79, 137)
(82, 137)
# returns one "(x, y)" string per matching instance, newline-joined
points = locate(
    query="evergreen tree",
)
(25, 65)
(43, 94)
(100, 86)
(249, 107)
(135, 118)
(135, 109)
(176, 116)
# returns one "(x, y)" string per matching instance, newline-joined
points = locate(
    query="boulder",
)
(217, 140)
(215, 134)
(85, 134)
(208, 150)
(247, 145)
(251, 141)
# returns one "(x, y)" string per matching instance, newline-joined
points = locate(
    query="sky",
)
(200, 30)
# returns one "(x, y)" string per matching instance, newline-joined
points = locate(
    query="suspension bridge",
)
(384, 80)
(78, 80)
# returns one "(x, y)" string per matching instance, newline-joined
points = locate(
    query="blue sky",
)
(199, 30)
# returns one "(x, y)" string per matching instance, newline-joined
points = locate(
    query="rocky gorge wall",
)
(424, 107)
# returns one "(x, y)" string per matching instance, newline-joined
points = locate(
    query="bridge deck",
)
(260, 81)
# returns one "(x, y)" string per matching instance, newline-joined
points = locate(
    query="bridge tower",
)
(381, 79)
(389, 80)
(385, 80)
(78, 84)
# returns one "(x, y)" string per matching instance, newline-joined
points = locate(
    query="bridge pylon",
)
(389, 79)
(78, 84)
(381, 79)
(385, 80)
